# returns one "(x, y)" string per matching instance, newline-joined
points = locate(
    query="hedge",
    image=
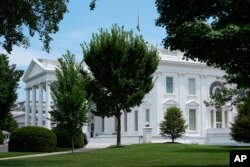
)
(33, 139)
(1, 137)
(64, 140)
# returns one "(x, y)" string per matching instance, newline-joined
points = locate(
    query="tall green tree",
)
(69, 96)
(122, 67)
(173, 125)
(215, 32)
(9, 77)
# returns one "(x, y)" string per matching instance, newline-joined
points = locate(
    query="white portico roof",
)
(40, 70)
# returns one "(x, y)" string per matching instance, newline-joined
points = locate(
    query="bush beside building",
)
(33, 139)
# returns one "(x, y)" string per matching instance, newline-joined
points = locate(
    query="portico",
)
(38, 79)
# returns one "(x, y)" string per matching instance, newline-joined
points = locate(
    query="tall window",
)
(125, 121)
(169, 84)
(103, 125)
(147, 116)
(218, 119)
(192, 119)
(212, 118)
(136, 120)
(191, 86)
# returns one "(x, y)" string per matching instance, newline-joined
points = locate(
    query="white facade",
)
(185, 84)
(38, 77)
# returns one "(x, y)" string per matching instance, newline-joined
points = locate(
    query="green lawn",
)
(150, 155)
(13, 154)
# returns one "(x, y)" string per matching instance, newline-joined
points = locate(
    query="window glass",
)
(125, 121)
(191, 86)
(169, 84)
(136, 120)
(192, 119)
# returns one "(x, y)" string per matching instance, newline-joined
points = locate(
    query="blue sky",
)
(79, 24)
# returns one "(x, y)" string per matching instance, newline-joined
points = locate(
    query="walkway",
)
(89, 147)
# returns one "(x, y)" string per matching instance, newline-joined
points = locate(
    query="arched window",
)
(218, 118)
(215, 87)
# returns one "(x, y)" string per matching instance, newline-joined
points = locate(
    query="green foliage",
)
(1, 137)
(9, 77)
(173, 125)
(40, 17)
(10, 124)
(33, 139)
(70, 99)
(240, 130)
(214, 32)
(64, 139)
(122, 67)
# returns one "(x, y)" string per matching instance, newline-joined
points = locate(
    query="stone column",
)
(27, 107)
(33, 107)
(147, 135)
(40, 105)
(223, 118)
(48, 108)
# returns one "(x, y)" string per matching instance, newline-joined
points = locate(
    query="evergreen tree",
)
(122, 67)
(173, 125)
(71, 104)
(240, 130)
(9, 77)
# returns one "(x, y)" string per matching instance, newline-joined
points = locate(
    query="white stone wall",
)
(158, 100)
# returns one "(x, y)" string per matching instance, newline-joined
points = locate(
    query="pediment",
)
(146, 103)
(34, 69)
(170, 102)
(192, 103)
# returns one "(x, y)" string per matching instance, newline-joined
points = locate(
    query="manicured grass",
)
(13, 154)
(149, 155)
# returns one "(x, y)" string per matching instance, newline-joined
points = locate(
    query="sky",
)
(79, 23)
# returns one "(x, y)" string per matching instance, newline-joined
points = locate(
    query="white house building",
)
(181, 83)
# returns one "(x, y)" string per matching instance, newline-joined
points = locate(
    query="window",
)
(212, 118)
(191, 86)
(169, 84)
(125, 121)
(192, 119)
(103, 125)
(136, 120)
(147, 116)
(218, 119)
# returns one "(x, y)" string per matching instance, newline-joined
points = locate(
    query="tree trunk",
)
(72, 142)
(172, 139)
(118, 139)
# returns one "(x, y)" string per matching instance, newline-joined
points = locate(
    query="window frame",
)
(172, 86)
(189, 84)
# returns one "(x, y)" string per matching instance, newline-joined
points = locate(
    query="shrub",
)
(173, 125)
(1, 137)
(64, 139)
(240, 130)
(33, 139)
